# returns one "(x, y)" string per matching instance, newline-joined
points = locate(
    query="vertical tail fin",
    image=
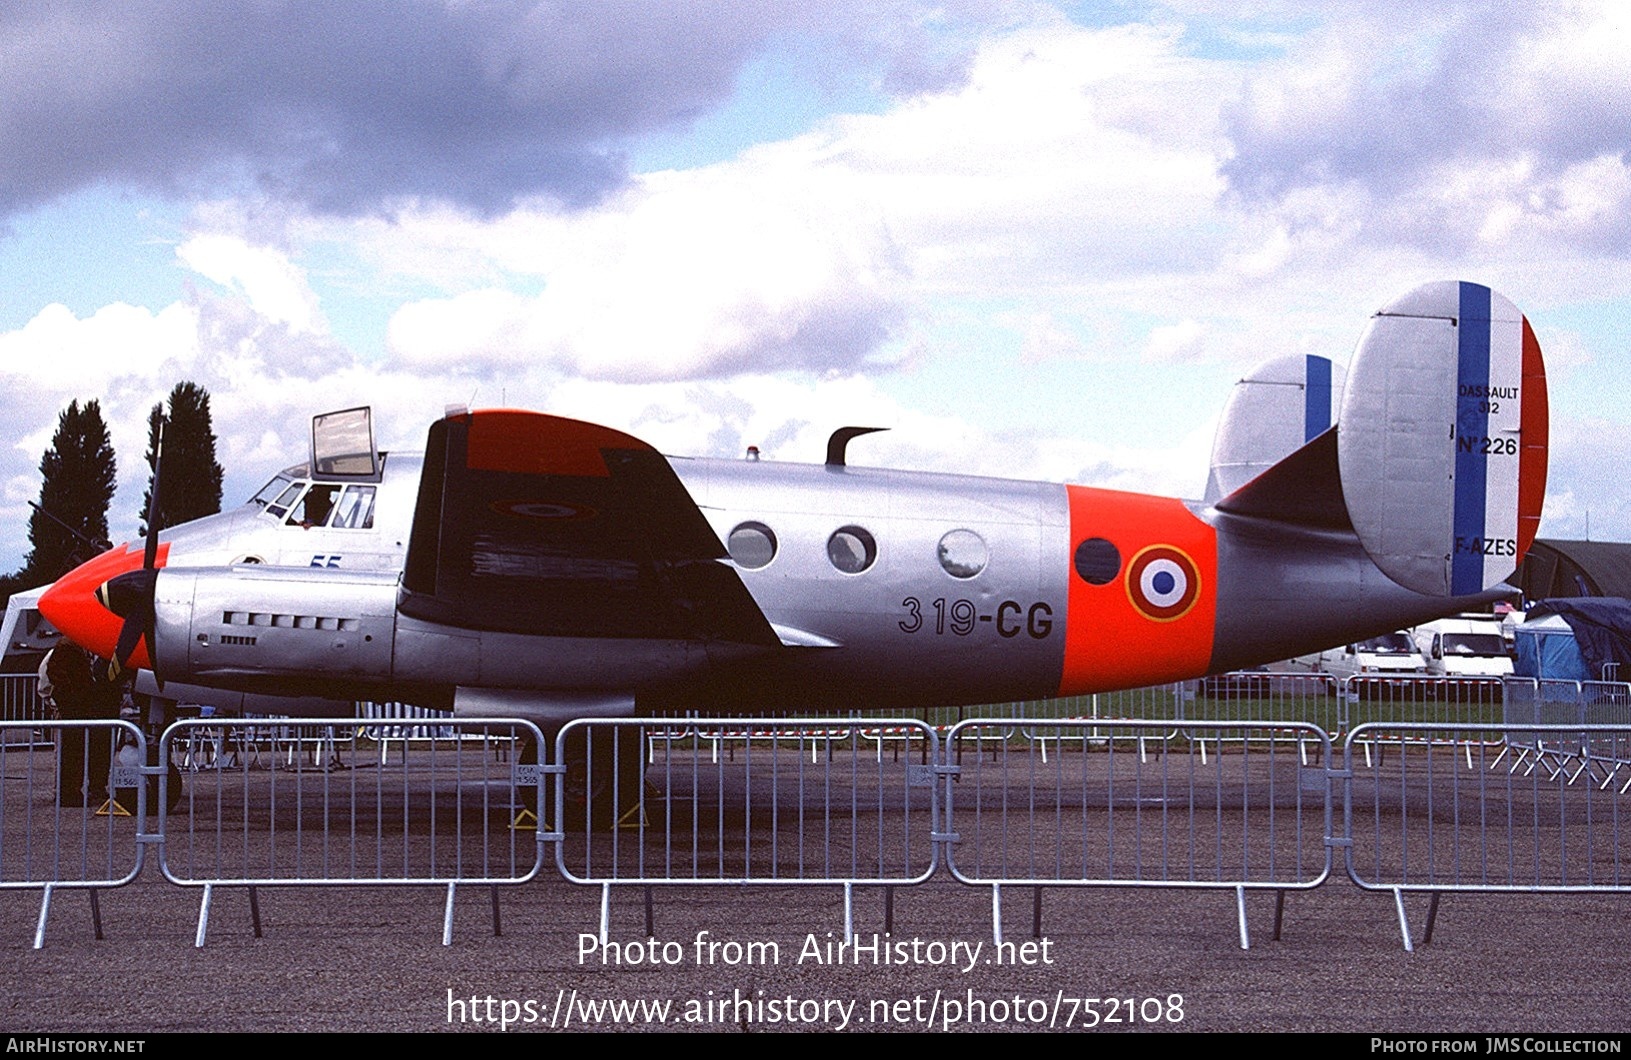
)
(1442, 439)
(1274, 410)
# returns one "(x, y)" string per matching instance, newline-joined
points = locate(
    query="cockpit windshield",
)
(281, 504)
(271, 491)
(356, 509)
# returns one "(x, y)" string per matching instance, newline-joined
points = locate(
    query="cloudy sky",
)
(1037, 240)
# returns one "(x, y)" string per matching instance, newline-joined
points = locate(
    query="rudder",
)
(1442, 439)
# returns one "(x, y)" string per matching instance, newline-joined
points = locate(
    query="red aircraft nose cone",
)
(72, 606)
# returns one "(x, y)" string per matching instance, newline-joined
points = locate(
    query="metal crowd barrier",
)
(1462, 800)
(1411, 698)
(1453, 812)
(1474, 704)
(383, 722)
(20, 699)
(72, 809)
(1263, 696)
(815, 805)
(1556, 750)
(447, 812)
(1107, 815)
(1155, 703)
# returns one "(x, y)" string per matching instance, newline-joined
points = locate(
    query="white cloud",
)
(1182, 341)
(57, 351)
(1483, 130)
(790, 420)
(690, 275)
(1070, 156)
(274, 286)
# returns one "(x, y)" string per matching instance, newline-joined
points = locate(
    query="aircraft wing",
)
(541, 525)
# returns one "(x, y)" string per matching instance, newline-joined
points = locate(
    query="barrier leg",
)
(1404, 921)
(605, 913)
(1279, 912)
(203, 916)
(447, 915)
(1240, 906)
(1432, 917)
(255, 910)
(45, 911)
(849, 911)
(996, 912)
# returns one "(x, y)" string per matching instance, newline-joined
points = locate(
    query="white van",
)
(1390, 655)
(1465, 646)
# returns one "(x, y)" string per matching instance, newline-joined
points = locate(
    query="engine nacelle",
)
(255, 627)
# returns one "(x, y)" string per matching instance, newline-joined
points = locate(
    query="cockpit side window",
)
(356, 509)
(284, 499)
(315, 507)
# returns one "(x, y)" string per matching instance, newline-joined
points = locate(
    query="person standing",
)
(80, 694)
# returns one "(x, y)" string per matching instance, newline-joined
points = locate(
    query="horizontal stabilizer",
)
(1442, 439)
(1302, 489)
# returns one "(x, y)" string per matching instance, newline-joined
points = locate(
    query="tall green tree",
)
(78, 475)
(192, 479)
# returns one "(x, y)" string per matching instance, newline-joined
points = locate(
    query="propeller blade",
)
(130, 595)
(130, 635)
(151, 554)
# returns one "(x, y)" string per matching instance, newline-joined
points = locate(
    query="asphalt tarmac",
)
(356, 959)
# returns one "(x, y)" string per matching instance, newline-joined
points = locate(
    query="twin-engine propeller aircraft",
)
(534, 566)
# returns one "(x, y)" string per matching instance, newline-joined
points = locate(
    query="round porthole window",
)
(752, 545)
(963, 553)
(1097, 561)
(852, 549)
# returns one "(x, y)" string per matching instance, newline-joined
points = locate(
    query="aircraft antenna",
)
(840, 441)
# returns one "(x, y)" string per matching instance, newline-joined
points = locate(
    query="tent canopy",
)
(1574, 639)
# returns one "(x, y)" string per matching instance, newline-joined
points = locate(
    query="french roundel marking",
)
(1163, 583)
(543, 509)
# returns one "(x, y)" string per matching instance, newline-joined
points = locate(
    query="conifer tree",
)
(78, 475)
(192, 478)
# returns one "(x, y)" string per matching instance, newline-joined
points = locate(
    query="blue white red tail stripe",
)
(1472, 427)
(1316, 398)
(1495, 409)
